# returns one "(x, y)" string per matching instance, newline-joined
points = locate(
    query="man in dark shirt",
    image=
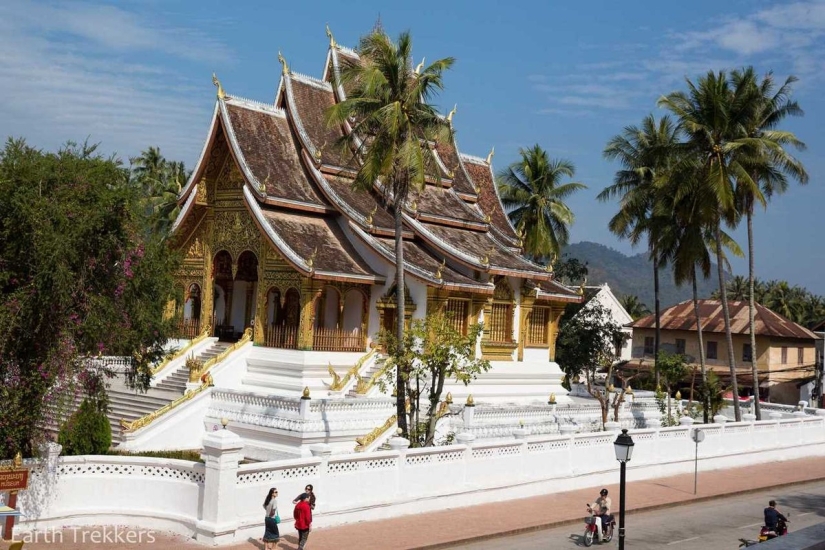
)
(772, 516)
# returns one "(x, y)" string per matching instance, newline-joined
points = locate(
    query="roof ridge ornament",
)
(451, 114)
(580, 292)
(549, 267)
(489, 159)
(217, 83)
(371, 214)
(332, 43)
(440, 277)
(419, 66)
(311, 259)
(282, 61)
(486, 260)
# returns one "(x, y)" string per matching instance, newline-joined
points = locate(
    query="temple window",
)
(456, 311)
(537, 327)
(501, 313)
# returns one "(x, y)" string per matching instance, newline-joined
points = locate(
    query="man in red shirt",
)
(303, 519)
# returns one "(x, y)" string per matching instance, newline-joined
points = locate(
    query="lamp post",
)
(624, 449)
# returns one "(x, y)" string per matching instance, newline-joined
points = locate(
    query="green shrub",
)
(189, 455)
(87, 431)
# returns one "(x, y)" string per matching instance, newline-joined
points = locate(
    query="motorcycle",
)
(767, 534)
(590, 528)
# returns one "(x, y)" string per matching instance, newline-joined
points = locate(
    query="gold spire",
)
(492, 152)
(311, 259)
(332, 43)
(420, 66)
(282, 61)
(439, 271)
(217, 83)
(452, 114)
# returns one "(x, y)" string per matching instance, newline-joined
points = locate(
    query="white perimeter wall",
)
(150, 493)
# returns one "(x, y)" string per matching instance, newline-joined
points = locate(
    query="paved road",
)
(711, 525)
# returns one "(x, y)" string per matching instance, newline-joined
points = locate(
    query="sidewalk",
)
(449, 527)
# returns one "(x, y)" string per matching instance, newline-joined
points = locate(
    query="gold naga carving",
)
(489, 158)
(439, 274)
(364, 441)
(332, 43)
(217, 83)
(452, 113)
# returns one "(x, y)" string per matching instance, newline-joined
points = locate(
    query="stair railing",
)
(205, 379)
(340, 384)
(365, 441)
(180, 353)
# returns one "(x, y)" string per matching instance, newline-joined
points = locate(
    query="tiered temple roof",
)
(298, 187)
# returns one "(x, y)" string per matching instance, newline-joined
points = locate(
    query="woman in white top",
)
(271, 520)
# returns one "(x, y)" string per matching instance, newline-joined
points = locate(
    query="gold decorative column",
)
(306, 329)
(261, 308)
(208, 294)
(555, 316)
(525, 309)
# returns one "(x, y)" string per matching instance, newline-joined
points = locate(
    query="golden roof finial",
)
(581, 288)
(332, 43)
(305, 393)
(371, 214)
(486, 260)
(439, 273)
(470, 401)
(217, 83)
(311, 259)
(282, 61)
(549, 267)
(420, 66)
(449, 398)
(414, 206)
(487, 218)
(452, 113)
(489, 158)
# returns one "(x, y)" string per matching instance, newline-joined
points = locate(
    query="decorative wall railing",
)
(187, 329)
(333, 339)
(281, 336)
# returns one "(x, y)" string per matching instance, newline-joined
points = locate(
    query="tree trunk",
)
(400, 379)
(658, 336)
(723, 292)
(705, 397)
(757, 409)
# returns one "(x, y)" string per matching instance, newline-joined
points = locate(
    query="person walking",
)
(309, 490)
(303, 519)
(271, 520)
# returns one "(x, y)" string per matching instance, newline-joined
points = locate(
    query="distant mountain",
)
(633, 274)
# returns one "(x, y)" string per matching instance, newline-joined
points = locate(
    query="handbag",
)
(277, 519)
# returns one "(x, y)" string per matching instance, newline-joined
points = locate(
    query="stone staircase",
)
(176, 381)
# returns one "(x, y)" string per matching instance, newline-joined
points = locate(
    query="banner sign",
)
(14, 480)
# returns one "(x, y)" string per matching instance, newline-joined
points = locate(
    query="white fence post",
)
(218, 516)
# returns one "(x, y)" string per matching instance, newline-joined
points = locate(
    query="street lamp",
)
(624, 449)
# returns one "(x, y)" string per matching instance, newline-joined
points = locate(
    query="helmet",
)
(603, 492)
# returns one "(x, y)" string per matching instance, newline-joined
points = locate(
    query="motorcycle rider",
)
(601, 511)
(772, 516)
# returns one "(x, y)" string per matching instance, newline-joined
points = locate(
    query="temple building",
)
(277, 241)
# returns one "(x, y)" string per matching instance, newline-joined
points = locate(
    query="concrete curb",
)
(630, 511)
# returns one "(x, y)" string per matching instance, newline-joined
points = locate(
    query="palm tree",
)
(647, 157)
(149, 169)
(737, 288)
(772, 166)
(634, 307)
(532, 192)
(712, 116)
(391, 123)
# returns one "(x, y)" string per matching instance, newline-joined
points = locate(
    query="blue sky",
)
(565, 75)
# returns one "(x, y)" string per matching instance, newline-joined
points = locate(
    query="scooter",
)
(767, 534)
(590, 528)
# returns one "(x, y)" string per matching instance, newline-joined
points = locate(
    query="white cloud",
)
(80, 70)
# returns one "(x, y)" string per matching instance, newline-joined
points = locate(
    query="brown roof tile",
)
(363, 202)
(268, 148)
(488, 199)
(767, 323)
(449, 156)
(481, 245)
(306, 233)
(415, 254)
(311, 102)
(444, 203)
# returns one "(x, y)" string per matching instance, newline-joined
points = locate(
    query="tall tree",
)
(388, 109)
(79, 278)
(634, 307)
(767, 107)
(647, 155)
(532, 191)
(712, 115)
